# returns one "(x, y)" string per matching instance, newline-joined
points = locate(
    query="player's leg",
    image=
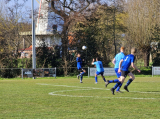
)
(132, 77)
(117, 84)
(103, 77)
(96, 78)
(81, 75)
(79, 70)
(115, 80)
(81, 78)
(121, 80)
(82, 72)
(118, 88)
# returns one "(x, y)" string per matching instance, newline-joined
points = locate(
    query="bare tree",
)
(68, 11)
(11, 25)
(143, 17)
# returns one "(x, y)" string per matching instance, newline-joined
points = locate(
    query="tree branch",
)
(59, 12)
(88, 3)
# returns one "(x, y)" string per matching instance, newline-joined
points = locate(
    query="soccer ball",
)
(84, 47)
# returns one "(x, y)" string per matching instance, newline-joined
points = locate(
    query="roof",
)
(26, 49)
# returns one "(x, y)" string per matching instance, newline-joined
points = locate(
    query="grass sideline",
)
(66, 98)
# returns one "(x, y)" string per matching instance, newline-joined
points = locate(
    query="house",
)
(27, 52)
(46, 29)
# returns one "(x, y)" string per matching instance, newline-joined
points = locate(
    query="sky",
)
(29, 3)
(24, 11)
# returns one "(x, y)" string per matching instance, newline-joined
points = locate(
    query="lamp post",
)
(33, 40)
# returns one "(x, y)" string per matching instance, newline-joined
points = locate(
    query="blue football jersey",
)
(118, 58)
(127, 62)
(99, 66)
(79, 63)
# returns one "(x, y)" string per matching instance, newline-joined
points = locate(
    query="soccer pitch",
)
(66, 98)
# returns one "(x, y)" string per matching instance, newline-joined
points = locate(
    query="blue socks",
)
(104, 80)
(128, 82)
(114, 81)
(81, 78)
(96, 80)
(81, 74)
(119, 87)
(117, 84)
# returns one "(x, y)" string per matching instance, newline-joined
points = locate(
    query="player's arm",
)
(120, 63)
(93, 61)
(113, 61)
(135, 67)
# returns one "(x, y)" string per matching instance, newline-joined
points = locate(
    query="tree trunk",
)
(65, 48)
(146, 59)
(146, 56)
(64, 37)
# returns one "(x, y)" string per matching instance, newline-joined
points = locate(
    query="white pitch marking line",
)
(71, 86)
(93, 88)
(89, 88)
(54, 93)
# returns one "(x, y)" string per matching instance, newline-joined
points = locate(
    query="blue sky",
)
(29, 3)
(24, 11)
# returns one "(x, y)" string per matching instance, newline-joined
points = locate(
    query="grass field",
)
(66, 98)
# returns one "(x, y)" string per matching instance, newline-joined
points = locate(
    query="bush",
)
(10, 73)
(156, 60)
(9, 60)
(144, 71)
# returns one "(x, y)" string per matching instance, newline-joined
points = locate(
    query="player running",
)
(123, 68)
(100, 70)
(116, 61)
(79, 67)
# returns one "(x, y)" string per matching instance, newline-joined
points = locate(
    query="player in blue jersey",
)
(116, 61)
(100, 70)
(79, 67)
(123, 68)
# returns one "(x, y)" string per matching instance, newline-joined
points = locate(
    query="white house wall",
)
(44, 26)
(49, 41)
(46, 19)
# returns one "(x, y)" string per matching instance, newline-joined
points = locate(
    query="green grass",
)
(30, 99)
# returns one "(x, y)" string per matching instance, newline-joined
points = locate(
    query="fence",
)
(49, 72)
(155, 70)
(39, 72)
(20, 72)
(72, 71)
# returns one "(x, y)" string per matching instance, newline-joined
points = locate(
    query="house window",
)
(54, 28)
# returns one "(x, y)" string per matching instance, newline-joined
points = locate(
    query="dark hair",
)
(97, 58)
